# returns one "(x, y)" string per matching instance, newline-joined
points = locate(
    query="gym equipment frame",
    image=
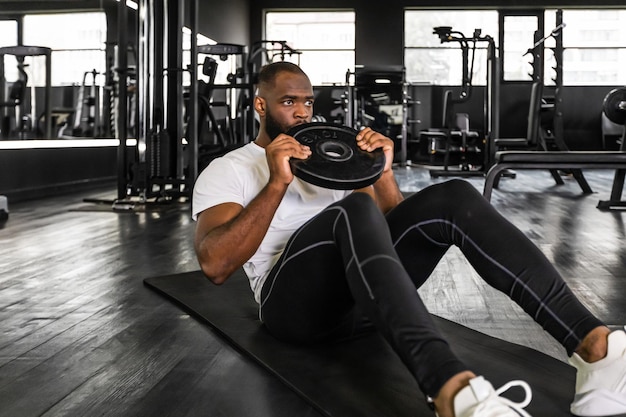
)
(614, 106)
(22, 51)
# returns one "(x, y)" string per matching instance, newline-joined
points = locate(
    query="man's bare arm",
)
(385, 190)
(227, 235)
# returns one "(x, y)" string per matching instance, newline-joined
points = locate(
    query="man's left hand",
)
(369, 140)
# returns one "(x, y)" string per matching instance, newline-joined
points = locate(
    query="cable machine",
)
(234, 99)
(164, 163)
(491, 101)
(378, 97)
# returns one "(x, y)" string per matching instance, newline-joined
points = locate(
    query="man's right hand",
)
(278, 154)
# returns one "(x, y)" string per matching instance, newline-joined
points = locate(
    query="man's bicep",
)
(214, 217)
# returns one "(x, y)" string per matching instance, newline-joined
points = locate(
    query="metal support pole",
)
(558, 81)
(192, 122)
(4, 113)
(492, 104)
(350, 101)
(147, 76)
(122, 106)
(405, 115)
(174, 85)
(145, 71)
(48, 96)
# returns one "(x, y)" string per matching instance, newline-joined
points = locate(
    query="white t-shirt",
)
(238, 177)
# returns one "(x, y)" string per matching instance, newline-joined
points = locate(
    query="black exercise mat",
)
(362, 377)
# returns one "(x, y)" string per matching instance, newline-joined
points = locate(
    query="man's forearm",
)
(388, 194)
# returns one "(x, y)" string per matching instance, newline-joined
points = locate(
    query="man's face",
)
(287, 104)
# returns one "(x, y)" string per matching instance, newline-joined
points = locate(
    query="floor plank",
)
(81, 335)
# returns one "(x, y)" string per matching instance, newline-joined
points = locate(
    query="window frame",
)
(302, 59)
(434, 45)
(59, 77)
(616, 75)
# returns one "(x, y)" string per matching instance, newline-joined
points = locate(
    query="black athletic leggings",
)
(351, 262)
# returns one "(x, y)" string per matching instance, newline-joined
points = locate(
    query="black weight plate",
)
(614, 106)
(336, 161)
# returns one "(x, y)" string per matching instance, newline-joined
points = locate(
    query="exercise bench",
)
(560, 160)
(614, 107)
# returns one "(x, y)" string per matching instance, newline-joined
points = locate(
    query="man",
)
(324, 264)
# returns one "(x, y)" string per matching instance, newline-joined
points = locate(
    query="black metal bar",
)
(122, 107)
(175, 10)
(192, 123)
(48, 96)
(558, 81)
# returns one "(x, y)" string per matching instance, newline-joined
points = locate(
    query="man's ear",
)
(259, 105)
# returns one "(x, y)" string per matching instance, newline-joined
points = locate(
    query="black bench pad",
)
(562, 157)
(551, 160)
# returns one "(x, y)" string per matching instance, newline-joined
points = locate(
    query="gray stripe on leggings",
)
(542, 305)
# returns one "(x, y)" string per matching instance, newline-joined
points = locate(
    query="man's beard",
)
(273, 127)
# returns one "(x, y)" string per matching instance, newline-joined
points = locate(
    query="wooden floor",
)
(82, 336)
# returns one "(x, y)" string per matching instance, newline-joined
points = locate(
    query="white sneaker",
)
(479, 399)
(601, 386)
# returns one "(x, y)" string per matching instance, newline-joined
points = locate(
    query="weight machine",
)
(162, 165)
(16, 96)
(545, 120)
(459, 126)
(87, 115)
(235, 98)
(378, 97)
(266, 51)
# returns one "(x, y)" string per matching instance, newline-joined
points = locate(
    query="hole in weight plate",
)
(334, 151)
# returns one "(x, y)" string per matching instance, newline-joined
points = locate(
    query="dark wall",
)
(373, 49)
(582, 114)
(32, 173)
(581, 107)
(225, 21)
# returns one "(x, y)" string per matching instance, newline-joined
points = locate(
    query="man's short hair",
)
(269, 72)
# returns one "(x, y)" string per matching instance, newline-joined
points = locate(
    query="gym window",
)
(77, 41)
(321, 37)
(8, 37)
(8, 33)
(519, 33)
(595, 53)
(593, 40)
(427, 60)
